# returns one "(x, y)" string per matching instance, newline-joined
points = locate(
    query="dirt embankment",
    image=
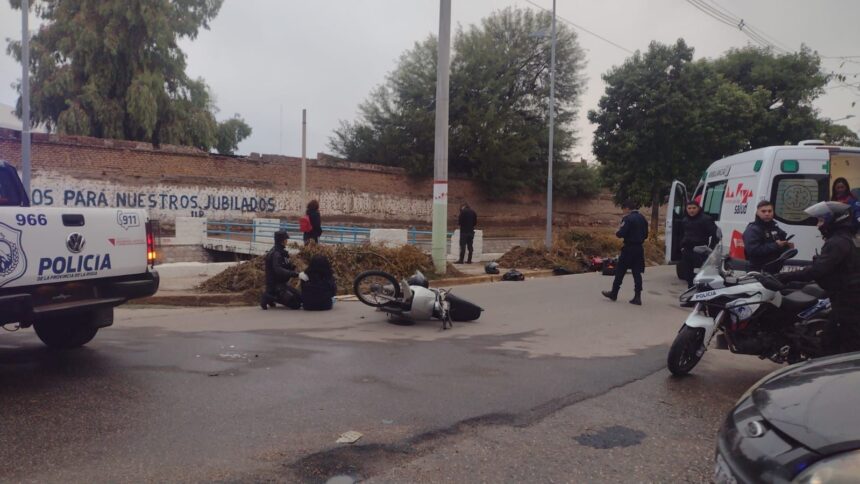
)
(248, 277)
(572, 249)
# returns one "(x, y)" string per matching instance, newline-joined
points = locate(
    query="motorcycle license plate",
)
(722, 474)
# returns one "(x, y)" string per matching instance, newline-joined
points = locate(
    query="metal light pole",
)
(304, 160)
(25, 96)
(440, 153)
(551, 130)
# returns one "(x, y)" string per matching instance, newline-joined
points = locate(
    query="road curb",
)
(193, 299)
(200, 299)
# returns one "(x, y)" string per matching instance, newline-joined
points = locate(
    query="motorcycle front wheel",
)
(376, 288)
(684, 353)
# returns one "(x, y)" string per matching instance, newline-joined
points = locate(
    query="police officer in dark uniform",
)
(764, 241)
(699, 229)
(279, 271)
(634, 231)
(837, 268)
(467, 220)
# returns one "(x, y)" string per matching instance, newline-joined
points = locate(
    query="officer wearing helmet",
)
(279, 271)
(837, 268)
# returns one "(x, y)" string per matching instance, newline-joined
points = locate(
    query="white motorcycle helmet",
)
(830, 215)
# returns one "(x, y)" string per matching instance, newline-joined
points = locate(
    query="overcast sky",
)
(261, 56)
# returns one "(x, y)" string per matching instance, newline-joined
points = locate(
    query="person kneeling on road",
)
(318, 285)
(279, 271)
(837, 269)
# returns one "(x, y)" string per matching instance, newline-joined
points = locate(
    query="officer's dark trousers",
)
(466, 240)
(847, 316)
(284, 295)
(633, 258)
(690, 261)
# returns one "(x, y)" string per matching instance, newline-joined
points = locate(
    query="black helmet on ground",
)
(492, 268)
(513, 275)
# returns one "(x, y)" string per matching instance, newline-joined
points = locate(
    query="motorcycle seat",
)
(815, 290)
(798, 301)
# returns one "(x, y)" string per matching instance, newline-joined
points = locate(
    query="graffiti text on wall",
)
(162, 201)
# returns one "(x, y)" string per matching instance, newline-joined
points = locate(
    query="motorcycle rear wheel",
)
(376, 288)
(683, 355)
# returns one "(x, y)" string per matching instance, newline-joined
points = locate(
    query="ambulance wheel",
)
(680, 269)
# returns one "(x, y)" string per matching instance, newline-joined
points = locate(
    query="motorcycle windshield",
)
(711, 269)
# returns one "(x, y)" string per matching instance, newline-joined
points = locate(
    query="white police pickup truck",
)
(63, 270)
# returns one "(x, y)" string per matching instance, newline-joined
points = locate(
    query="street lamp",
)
(551, 129)
(25, 97)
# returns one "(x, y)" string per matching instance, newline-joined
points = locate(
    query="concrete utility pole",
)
(304, 160)
(25, 96)
(551, 130)
(440, 153)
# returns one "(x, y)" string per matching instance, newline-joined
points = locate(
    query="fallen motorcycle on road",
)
(412, 299)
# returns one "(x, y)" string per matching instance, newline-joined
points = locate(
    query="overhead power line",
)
(726, 17)
(750, 27)
(580, 27)
(720, 13)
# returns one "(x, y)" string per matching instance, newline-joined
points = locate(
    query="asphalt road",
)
(552, 384)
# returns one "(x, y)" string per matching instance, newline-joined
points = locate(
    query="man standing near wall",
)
(467, 220)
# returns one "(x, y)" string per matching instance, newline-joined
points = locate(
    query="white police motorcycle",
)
(412, 299)
(751, 313)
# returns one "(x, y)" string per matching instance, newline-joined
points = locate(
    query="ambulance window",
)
(713, 203)
(793, 193)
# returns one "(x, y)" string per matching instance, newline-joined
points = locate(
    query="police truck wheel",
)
(65, 332)
(683, 355)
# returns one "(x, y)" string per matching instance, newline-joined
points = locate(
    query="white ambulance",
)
(792, 177)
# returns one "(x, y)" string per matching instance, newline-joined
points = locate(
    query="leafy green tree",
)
(499, 110)
(230, 133)
(784, 87)
(114, 69)
(663, 116)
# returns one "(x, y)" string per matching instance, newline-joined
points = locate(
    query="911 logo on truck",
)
(127, 219)
(13, 260)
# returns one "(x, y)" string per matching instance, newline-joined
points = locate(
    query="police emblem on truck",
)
(13, 261)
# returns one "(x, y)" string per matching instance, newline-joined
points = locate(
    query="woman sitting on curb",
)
(318, 285)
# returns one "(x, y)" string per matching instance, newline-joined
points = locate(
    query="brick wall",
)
(348, 192)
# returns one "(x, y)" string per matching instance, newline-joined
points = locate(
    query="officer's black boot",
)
(462, 253)
(637, 299)
(613, 294)
(266, 300)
